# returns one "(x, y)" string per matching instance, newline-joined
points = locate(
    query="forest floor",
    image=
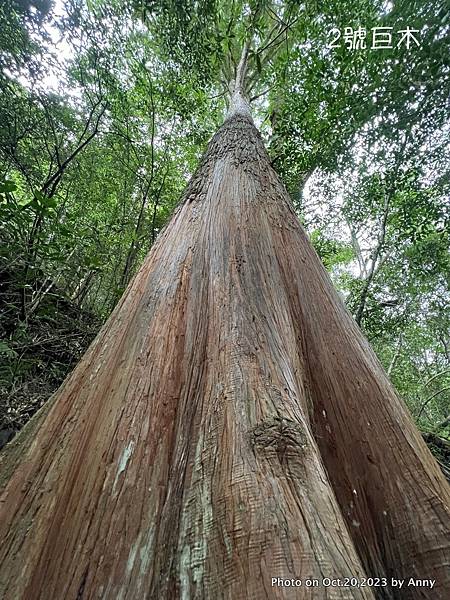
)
(36, 355)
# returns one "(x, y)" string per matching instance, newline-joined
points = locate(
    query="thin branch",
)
(53, 181)
(375, 255)
(272, 41)
(253, 98)
(395, 357)
(428, 400)
(443, 424)
(374, 268)
(357, 249)
(435, 376)
(276, 17)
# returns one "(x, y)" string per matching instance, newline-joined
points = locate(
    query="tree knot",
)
(281, 436)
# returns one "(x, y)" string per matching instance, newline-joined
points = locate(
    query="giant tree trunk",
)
(229, 424)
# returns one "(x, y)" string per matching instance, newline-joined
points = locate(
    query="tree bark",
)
(229, 424)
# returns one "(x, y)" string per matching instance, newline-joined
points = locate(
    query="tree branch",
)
(372, 272)
(428, 400)
(55, 178)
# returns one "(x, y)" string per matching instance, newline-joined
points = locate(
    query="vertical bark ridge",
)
(206, 442)
(390, 489)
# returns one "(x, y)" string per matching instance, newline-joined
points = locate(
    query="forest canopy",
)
(106, 108)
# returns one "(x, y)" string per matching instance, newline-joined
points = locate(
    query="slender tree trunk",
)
(229, 425)
(82, 288)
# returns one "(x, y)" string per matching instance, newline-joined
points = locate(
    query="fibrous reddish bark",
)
(229, 424)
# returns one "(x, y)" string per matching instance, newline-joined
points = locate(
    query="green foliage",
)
(18, 48)
(324, 96)
(332, 252)
(186, 32)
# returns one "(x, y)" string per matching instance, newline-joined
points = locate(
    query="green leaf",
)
(6, 350)
(7, 187)
(44, 200)
(24, 202)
